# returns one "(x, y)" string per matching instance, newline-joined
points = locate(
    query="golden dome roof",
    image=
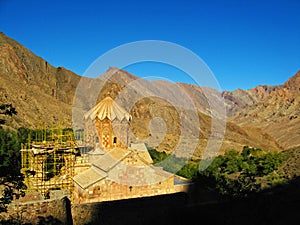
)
(107, 108)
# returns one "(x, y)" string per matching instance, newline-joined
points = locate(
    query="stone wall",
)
(278, 206)
(146, 210)
(156, 209)
(107, 190)
(51, 211)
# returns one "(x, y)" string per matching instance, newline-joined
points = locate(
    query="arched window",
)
(115, 140)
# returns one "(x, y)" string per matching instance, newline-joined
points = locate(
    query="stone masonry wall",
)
(52, 211)
(146, 210)
(106, 190)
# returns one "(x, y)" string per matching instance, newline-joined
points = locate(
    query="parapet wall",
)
(146, 210)
(156, 209)
(52, 211)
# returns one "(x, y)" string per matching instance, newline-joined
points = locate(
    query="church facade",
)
(117, 169)
(107, 123)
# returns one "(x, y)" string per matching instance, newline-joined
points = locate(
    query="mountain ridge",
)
(30, 83)
(44, 95)
(275, 109)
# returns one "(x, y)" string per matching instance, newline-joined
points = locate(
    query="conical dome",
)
(107, 108)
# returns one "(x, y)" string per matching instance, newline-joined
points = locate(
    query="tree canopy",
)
(6, 110)
(11, 179)
(239, 174)
(235, 174)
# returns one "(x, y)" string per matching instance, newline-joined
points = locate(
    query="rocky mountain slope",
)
(175, 126)
(265, 117)
(40, 92)
(275, 109)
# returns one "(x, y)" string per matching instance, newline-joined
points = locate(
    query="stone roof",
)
(117, 165)
(89, 177)
(142, 151)
(138, 175)
(110, 159)
(107, 108)
(159, 171)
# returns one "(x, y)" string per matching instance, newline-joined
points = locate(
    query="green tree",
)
(238, 174)
(11, 180)
(6, 110)
(157, 156)
(189, 170)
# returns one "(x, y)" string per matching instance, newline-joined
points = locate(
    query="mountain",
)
(274, 109)
(265, 116)
(40, 92)
(178, 127)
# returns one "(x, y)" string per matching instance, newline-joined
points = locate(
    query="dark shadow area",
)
(147, 210)
(276, 206)
(69, 212)
(49, 220)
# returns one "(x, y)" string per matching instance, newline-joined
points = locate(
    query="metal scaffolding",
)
(48, 162)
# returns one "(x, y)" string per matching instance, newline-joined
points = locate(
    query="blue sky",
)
(244, 43)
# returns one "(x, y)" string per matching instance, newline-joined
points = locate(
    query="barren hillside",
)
(266, 117)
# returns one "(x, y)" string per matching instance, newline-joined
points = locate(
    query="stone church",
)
(117, 169)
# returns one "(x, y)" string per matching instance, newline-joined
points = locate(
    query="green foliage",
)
(6, 110)
(9, 153)
(239, 174)
(268, 162)
(157, 156)
(11, 180)
(232, 174)
(174, 164)
(189, 170)
(168, 162)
